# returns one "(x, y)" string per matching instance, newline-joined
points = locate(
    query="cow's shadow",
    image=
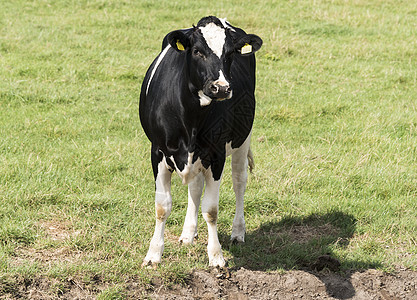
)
(303, 243)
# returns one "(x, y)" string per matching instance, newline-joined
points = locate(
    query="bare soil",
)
(239, 284)
(247, 284)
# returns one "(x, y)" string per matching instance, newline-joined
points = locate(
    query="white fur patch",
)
(190, 169)
(226, 24)
(215, 37)
(160, 57)
(222, 80)
(204, 100)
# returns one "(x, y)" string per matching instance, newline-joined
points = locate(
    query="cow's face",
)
(210, 50)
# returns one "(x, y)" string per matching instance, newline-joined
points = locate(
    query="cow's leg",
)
(195, 189)
(209, 209)
(163, 205)
(239, 177)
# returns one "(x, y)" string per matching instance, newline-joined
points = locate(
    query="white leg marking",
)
(158, 61)
(195, 189)
(209, 209)
(239, 177)
(163, 206)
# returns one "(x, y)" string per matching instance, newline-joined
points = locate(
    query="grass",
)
(334, 140)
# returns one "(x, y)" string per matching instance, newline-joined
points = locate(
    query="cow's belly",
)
(191, 169)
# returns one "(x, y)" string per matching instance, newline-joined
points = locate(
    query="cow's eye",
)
(196, 52)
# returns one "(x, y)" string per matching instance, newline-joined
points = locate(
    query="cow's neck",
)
(192, 118)
(194, 112)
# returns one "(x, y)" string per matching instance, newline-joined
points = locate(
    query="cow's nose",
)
(220, 90)
(214, 88)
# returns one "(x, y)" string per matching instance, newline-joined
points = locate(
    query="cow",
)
(197, 106)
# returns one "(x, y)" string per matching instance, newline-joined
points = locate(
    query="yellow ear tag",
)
(180, 46)
(246, 49)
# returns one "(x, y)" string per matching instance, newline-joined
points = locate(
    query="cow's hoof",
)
(238, 231)
(187, 240)
(217, 261)
(237, 239)
(149, 264)
(151, 260)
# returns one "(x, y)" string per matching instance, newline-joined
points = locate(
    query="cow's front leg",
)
(195, 189)
(209, 209)
(163, 206)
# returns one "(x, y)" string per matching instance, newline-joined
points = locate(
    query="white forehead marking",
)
(226, 24)
(215, 37)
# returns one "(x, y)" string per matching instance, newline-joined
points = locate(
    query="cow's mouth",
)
(220, 97)
(227, 96)
(207, 99)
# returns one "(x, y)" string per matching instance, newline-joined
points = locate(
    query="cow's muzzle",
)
(218, 90)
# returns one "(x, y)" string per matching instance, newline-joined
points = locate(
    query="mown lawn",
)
(334, 139)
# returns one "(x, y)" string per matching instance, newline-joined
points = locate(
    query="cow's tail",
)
(251, 161)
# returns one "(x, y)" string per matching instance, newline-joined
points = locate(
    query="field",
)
(334, 191)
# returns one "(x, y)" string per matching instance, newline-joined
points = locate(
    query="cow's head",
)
(210, 49)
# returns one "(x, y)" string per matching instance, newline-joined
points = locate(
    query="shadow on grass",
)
(303, 243)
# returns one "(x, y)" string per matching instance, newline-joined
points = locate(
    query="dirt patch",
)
(57, 230)
(45, 256)
(45, 289)
(247, 284)
(237, 285)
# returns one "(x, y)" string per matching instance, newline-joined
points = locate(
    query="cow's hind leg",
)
(163, 205)
(195, 189)
(240, 160)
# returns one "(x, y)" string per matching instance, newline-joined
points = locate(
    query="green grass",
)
(334, 139)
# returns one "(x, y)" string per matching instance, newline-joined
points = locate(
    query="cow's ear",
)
(248, 44)
(178, 40)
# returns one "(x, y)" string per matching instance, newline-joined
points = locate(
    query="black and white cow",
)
(196, 107)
